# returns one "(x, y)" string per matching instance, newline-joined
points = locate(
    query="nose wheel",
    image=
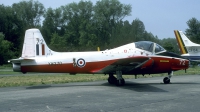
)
(166, 80)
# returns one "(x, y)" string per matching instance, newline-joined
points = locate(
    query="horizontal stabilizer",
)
(19, 60)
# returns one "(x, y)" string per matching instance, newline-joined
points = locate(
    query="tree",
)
(16, 19)
(82, 26)
(58, 43)
(52, 23)
(79, 25)
(5, 50)
(30, 12)
(10, 25)
(26, 14)
(170, 44)
(193, 32)
(138, 29)
(108, 13)
(127, 33)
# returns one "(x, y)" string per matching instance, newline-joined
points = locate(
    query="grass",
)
(23, 80)
(30, 79)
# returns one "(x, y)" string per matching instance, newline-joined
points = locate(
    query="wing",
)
(127, 65)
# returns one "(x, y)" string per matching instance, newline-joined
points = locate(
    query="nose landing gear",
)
(166, 80)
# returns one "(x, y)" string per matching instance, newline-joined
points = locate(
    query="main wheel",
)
(120, 82)
(112, 80)
(166, 80)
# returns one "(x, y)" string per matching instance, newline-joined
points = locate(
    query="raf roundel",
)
(81, 62)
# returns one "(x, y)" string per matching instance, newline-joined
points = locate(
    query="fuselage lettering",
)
(55, 63)
(192, 50)
(182, 62)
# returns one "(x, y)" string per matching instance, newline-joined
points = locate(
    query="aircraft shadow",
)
(44, 86)
(139, 87)
(39, 87)
(184, 83)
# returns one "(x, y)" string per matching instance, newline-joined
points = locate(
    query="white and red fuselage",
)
(143, 57)
(80, 63)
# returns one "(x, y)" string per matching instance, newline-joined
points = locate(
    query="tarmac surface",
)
(138, 95)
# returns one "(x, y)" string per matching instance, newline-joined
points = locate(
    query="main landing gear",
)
(166, 80)
(119, 81)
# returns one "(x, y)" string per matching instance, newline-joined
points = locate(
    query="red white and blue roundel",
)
(81, 62)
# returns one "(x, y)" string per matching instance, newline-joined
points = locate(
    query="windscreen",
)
(145, 45)
(159, 48)
(149, 46)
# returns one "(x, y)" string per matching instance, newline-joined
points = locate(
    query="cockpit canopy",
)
(149, 46)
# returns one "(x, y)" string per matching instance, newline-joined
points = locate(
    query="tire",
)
(166, 80)
(120, 82)
(112, 80)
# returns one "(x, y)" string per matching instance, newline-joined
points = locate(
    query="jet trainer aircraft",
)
(143, 57)
(188, 49)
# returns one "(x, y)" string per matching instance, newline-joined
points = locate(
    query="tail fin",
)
(34, 44)
(182, 41)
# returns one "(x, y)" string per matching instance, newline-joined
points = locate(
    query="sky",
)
(160, 17)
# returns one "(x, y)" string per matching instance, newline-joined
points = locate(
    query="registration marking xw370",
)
(55, 63)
